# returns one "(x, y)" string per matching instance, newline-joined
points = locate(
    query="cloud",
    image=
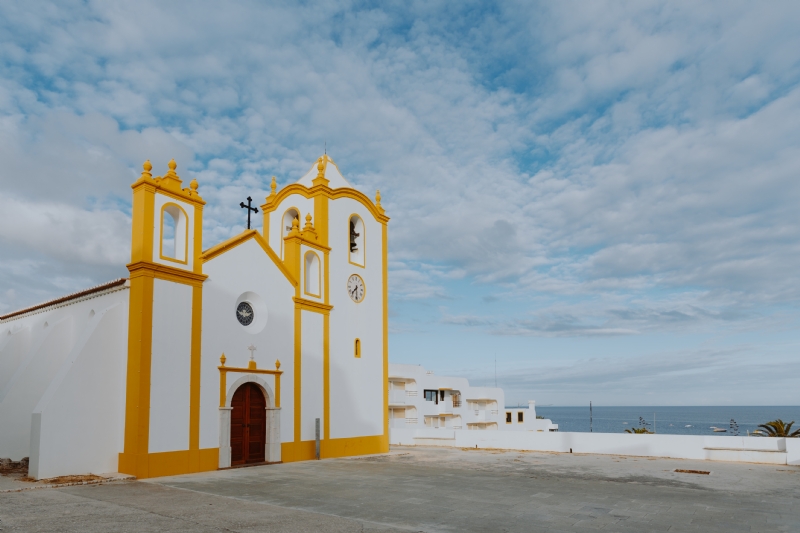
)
(614, 170)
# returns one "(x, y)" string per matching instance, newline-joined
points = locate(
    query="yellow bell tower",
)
(164, 328)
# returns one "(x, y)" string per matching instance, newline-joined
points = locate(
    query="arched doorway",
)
(248, 425)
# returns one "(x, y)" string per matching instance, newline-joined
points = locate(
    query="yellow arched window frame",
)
(357, 348)
(310, 262)
(181, 220)
(352, 258)
(284, 232)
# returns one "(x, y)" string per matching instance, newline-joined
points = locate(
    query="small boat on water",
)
(720, 430)
(688, 425)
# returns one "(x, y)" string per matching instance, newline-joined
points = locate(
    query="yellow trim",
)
(332, 448)
(363, 242)
(305, 277)
(176, 463)
(243, 237)
(223, 380)
(282, 236)
(133, 459)
(186, 239)
(194, 373)
(357, 348)
(298, 337)
(326, 376)
(385, 338)
(143, 210)
(311, 305)
(272, 202)
(165, 272)
(198, 238)
(362, 283)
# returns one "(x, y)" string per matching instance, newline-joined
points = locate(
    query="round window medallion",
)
(244, 313)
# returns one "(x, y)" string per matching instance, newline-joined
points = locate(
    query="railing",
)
(411, 421)
(411, 393)
(456, 403)
(397, 396)
(456, 427)
(494, 411)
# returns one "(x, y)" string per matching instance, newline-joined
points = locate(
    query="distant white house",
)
(420, 399)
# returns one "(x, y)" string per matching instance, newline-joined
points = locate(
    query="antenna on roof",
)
(326, 147)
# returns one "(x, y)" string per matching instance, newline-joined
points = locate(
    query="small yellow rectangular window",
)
(358, 348)
(508, 417)
(519, 417)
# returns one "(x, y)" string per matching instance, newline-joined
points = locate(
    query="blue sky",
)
(602, 196)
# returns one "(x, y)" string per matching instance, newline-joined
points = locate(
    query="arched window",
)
(356, 251)
(286, 223)
(358, 348)
(312, 277)
(174, 236)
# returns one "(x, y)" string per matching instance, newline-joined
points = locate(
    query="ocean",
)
(669, 420)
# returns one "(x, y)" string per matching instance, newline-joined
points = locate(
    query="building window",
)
(358, 350)
(174, 233)
(432, 396)
(357, 254)
(508, 417)
(313, 275)
(519, 417)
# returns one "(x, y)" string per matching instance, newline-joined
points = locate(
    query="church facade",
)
(271, 346)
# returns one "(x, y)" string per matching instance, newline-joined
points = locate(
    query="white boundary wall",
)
(712, 448)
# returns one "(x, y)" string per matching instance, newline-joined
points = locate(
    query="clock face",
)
(355, 288)
(244, 313)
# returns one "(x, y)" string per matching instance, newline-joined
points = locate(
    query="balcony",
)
(397, 397)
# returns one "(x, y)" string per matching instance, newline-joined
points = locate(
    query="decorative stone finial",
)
(295, 225)
(172, 166)
(321, 166)
(273, 186)
(193, 185)
(147, 167)
(308, 222)
(277, 364)
(222, 360)
(378, 201)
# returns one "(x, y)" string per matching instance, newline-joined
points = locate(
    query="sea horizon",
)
(673, 420)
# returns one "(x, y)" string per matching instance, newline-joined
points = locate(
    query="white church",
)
(256, 350)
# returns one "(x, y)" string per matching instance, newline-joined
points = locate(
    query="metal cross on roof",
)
(249, 209)
(252, 349)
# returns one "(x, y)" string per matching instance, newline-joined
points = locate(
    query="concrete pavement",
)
(430, 489)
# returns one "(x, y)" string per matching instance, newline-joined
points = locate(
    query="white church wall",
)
(23, 391)
(354, 379)
(16, 343)
(311, 375)
(77, 426)
(277, 225)
(245, 270)
(170, 366)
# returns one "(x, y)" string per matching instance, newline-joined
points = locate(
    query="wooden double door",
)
(248, 425)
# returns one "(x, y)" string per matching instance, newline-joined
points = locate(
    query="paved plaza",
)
(430, 489)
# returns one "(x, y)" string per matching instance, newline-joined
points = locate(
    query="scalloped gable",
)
(332, 174)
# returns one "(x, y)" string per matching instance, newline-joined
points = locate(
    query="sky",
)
(589, 201)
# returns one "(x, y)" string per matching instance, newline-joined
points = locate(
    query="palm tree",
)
(778, 428)
(641, 431)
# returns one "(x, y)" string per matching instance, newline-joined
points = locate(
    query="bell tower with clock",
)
(339, 258)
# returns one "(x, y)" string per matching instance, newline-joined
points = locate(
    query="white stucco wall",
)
(170, 366)
(311, 376)
(16, 342)
(48, 337)
(245, 271)
(738, 449)
(78, 424)
(356, 384)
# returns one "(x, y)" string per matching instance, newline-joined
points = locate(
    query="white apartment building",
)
(420, 399)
